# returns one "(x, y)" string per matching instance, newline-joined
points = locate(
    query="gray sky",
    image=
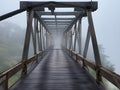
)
(106, 20)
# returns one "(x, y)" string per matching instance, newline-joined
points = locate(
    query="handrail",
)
(107, 74)
(10, 72)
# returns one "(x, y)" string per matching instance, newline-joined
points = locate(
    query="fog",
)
(106, 21)
(57, 41)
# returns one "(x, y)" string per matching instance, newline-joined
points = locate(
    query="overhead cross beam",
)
(59, 13)
(39, 18)
(57, 18)
(79, 16)
(82, 5)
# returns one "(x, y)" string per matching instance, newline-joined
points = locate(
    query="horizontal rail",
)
(107, 74)
(10, 72)
(110, 76)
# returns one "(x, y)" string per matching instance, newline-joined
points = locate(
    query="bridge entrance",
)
(62, 61)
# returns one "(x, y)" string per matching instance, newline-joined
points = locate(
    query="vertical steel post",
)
(43, 44)
(27, 40)
(95, 46)
(75, 37)
(40, 37)
(34, 36)
(70, 47)
(79, 36)
(47, 40)
(66, 40)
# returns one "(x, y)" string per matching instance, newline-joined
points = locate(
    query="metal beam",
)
(40, 36)
(57, 21)
(58, 13)
(57, 18)
(94, 39)
(27, 40)
(60, 24)
(86, 43)
(95, 46)
(80, 36)
(80, 15)
(42, 22)
(75, 38)
(5, 16)
(84, 5)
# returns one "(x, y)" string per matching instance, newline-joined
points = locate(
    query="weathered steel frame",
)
(112, 77)
(27, 39)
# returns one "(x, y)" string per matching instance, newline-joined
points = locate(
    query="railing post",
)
(27, 40)
(95, 46)
(6, 82)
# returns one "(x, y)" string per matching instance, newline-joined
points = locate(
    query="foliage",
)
(11, 45)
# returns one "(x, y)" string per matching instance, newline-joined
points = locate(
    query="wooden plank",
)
(110, 76)
(57, 71)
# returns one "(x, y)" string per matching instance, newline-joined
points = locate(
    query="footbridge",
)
(61, 63)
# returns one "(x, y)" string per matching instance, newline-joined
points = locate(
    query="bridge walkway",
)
(57, 71)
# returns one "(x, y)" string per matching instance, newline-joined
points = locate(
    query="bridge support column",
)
(70, 42)
(75, 37)
(86, 44)
(40, 36)
(34, 36)
(79, 36)
(66, 40)
(95, 46)
(47, 40)
(27, 40)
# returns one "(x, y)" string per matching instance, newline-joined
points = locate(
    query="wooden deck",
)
(57, 71)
